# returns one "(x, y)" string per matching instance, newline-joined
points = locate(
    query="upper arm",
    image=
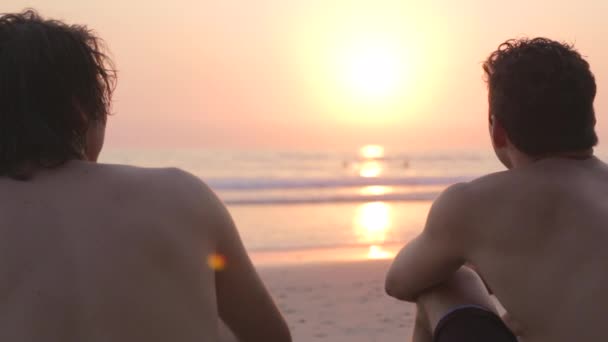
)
(243, 302)
(437, 252)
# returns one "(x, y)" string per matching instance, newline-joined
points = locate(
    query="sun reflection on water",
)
(376, 252)
(372, 151)
(371, 165)
(375, 190)
(373, 219)
(370, 169)
(372, 223)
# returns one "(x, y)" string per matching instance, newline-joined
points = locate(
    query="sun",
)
(372, 70)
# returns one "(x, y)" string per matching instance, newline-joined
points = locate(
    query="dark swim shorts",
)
(472, 324)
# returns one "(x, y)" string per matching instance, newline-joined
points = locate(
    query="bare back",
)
(540, 243)
(114, 253)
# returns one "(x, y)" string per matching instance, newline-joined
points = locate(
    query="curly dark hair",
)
(55, 81)
(542, 92)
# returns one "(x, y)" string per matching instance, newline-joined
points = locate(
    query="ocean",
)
(298, 200)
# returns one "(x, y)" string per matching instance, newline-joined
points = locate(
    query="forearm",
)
(412, 274)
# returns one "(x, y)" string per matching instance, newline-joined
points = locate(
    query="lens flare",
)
(216, 262)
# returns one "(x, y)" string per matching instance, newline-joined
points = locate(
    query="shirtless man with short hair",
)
(92, 252)
(537, 233)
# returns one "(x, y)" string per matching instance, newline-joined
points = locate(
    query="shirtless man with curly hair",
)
(537, 233)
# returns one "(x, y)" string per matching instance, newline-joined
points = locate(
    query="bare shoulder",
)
(459, 206)
(172, 191)
(491, 181)
(450, 210)
(172, 179)
(523, 185)
(495, 187)
(454, 193)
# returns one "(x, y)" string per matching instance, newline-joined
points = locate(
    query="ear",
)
(498, 133)
(94, 139)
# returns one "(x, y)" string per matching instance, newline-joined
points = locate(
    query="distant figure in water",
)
(537, 233)
(93, 252)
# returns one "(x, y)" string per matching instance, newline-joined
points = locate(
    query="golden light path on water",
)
(370, 166)
(373, 220)
(372, 151)
(370, 169)
(372, 223)
(376, 190)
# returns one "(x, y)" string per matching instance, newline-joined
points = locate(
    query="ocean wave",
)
(393, 197)
(244, 184)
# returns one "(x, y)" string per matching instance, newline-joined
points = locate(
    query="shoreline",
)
(324, 255)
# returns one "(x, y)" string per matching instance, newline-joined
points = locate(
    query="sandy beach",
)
(338, 302)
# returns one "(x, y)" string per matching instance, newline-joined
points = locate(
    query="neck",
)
(519, 159)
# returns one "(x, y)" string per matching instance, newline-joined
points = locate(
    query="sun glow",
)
(362, 62)
(372, 71)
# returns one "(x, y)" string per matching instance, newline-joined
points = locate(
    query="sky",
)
(316, 74)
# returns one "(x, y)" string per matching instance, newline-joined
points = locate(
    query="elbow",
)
(277, 335)
(400, 294)
(259, 332)
(284, 335)
(396, 289)
(287, 336)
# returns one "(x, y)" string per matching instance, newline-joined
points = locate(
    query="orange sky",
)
(271, 73)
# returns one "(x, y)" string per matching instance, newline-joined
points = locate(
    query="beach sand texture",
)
(339, 302)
